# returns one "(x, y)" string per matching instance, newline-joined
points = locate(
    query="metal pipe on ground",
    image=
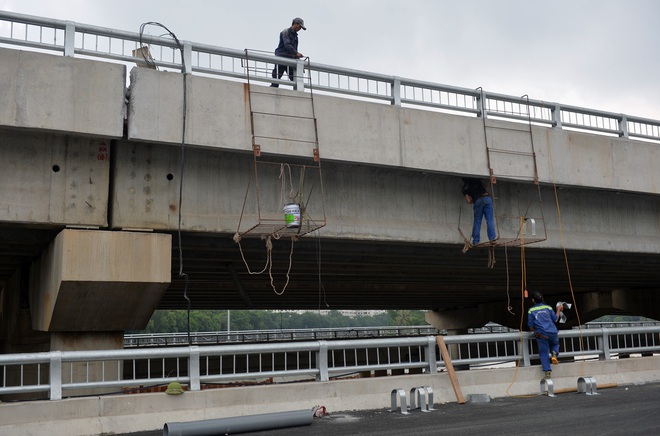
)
(240, 424)
(598, 386)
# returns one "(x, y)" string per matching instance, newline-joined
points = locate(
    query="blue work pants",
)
(546, 345)
(483, 207)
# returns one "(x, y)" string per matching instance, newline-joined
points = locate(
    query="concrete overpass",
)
(115, 204)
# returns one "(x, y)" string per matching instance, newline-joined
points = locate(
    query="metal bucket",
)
(292, 215)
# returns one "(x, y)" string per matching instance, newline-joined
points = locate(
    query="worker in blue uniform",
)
(541, 320)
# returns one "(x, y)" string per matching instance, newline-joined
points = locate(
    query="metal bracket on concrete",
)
(429, 398)
(423, 397)
(401, 394)
(587, 385)
(547, 385)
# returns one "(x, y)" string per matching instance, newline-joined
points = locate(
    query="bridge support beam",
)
(37, 315)
(636, 302)
(473, 317)
(87, 287)
(99, 281)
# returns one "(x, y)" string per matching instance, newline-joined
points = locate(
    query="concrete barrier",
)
(144, 412)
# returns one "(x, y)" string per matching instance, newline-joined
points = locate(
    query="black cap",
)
(300, 21)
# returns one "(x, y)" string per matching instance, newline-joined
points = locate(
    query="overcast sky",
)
(599, 54)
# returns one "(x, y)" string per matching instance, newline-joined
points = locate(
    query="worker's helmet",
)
(174, 388)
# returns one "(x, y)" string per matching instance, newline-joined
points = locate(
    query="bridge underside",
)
(349, 274)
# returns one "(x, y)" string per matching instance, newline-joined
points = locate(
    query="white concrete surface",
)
(366, 202)
(381, 135)
(54, 179)
(62, 94)
(389, 173)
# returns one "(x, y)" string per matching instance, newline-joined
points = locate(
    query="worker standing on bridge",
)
(477, 195)
(288, 48)
(541, 321)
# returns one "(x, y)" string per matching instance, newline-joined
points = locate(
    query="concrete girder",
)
(89, 280)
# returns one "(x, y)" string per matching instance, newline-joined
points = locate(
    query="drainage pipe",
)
(240, 424)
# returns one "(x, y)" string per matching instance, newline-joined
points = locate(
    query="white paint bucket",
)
(292, 215)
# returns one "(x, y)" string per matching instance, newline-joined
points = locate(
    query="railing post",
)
(623, 126)
(186, 60)
(55, 375)
(556, 116)
(299, 83)
(431, 359)
(69, 39)
(322, 361)
(524, 344)
(193, 368)
(396, 91)
(604, 344)
(481, 103)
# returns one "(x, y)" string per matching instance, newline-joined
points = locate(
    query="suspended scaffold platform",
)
(284, 197)
(511, 157)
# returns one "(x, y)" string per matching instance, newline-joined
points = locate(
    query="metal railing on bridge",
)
(75, 39)
(249, 336)
(57, 373)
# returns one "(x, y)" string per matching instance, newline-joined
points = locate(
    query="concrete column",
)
(78, 372)
(16, 333)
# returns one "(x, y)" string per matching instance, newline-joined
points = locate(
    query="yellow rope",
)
(523, 276)
(568, 272)
(563, 246)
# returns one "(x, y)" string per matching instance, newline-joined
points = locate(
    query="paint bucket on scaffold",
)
(292, 215)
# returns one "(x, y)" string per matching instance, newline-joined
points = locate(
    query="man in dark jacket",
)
(288, 48)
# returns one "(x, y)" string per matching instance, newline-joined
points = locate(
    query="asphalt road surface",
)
(631, 410)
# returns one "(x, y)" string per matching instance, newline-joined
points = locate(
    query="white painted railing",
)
(58, 372)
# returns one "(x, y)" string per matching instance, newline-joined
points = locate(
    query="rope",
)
(287, 272)
(282, 176)
(269, 260)
(563, 246)
(508, 296)
(269, 247)
(523, 276)
(491, 257)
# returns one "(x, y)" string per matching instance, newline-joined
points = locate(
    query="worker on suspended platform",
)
(541, 320)
(477, 195)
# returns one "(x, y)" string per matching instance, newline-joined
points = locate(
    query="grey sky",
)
(600, 54)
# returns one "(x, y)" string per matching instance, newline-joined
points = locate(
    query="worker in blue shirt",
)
(541, 320)
(288, 48)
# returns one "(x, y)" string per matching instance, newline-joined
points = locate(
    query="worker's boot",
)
(553, 359)
(548, 375)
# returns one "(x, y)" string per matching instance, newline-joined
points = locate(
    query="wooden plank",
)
(450, 369)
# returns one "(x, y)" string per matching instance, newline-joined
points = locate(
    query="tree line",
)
(176, 321)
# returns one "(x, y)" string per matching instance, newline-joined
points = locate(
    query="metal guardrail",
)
(249, 336)
(75, 39)
(59, 372)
